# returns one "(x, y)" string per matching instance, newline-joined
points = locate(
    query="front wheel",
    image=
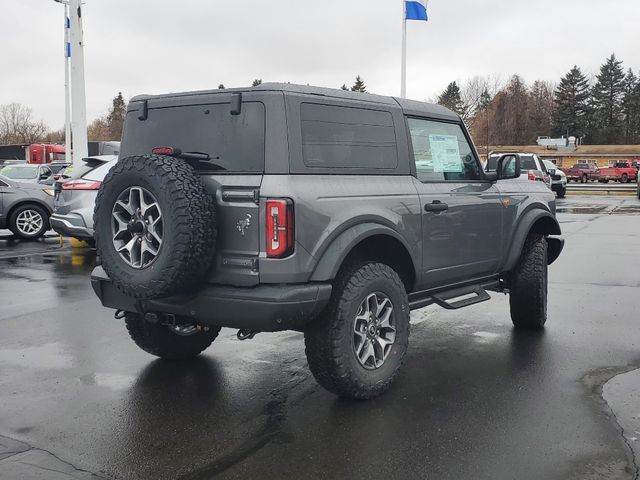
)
(528, 285)
(562, 193)
(625, 178)
(29, 222)
(584, 179)
(180, 341)
(356, 347)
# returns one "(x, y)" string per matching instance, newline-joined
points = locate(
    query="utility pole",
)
(67, 86)
(403, 68)
(74, 82)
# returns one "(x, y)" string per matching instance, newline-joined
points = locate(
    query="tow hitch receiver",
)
(246, 334)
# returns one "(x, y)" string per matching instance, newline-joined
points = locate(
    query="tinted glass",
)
(442, 152)
(20, 172)
(235, 142)
(99, 173)
(346, 137)
(527, 162)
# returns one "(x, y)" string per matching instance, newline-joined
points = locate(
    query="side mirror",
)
(508, 167)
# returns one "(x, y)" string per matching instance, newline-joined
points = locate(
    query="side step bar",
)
(447, 298)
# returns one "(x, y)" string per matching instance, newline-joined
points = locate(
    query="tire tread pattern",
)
(158, 340)
(191, 222)
(324, 349)
(528, 285)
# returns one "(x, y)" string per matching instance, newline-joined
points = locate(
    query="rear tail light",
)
(169, 151)
(81, 185)
(280, 228)
(531, 175)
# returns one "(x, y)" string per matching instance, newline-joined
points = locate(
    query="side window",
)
(347, 137)
(441, 152)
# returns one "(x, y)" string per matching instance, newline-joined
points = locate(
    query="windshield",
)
(235, 143)
(550, 165)
(22, 172)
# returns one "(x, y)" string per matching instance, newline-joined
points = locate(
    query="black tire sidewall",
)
(108, 252)
(188, 217)
(14, 216)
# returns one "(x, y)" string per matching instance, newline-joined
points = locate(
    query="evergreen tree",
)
(451, 99)
(631, 108)
(359, 85)
(571, 104)
(485, 100)
(344, 87)
(607, 96)
(256, 82)
(115, 118)
(221, 86)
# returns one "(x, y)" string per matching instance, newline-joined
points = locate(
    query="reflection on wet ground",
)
(476, 399)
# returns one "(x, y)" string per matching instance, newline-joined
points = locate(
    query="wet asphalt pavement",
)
(476, 399)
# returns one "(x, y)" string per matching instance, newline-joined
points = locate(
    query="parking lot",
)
(476, 398)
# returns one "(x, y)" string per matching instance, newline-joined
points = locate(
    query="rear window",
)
(234, 142)
(347, 137)
(99, 173)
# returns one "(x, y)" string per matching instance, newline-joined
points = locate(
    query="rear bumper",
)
(70, 226)
(266, 308)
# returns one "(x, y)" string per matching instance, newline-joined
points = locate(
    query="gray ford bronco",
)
(334, 213)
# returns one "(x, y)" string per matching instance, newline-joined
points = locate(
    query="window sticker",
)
(445, 153)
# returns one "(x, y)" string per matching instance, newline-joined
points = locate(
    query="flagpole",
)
(403, 75)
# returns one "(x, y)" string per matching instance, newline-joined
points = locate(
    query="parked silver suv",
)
(285, 207)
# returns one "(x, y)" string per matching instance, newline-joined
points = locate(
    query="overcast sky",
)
(155, 46)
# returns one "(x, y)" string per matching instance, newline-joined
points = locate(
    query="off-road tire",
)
(159, 340)
(189, 226)
(528, 285)
(328, 340)
(14, 218)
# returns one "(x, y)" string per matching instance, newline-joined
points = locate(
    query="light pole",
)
(75, 98)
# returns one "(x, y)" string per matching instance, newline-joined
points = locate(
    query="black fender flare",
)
(547, 225)
(335, 254)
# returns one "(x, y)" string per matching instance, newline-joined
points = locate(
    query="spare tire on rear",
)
(154, 226)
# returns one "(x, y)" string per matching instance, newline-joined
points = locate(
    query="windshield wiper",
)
(202, 157)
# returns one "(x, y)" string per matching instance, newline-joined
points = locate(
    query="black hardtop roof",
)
(410, 107)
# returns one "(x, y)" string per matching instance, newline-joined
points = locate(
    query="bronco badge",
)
(243, 224)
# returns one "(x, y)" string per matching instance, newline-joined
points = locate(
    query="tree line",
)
(602, 110)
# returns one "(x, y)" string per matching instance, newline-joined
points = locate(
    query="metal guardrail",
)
(603, 188)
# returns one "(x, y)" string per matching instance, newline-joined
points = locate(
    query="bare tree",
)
(18, 126)
(99, 130)
(476, 93)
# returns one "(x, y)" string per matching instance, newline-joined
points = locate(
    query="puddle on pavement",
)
(47, 356)
(584, 210)
(486, 337)
(113, 381)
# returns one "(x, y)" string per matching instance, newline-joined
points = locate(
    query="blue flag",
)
(415, 10)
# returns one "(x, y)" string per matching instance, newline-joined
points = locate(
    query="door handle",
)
(436, 206)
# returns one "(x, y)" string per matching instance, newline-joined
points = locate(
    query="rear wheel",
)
(528, 285)
(625, 178)
(355, 349)
(584, 178)
(180, 341)
(29, 222)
